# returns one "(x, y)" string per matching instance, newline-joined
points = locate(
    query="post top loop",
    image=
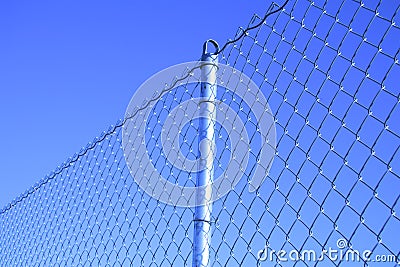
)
(214, 43)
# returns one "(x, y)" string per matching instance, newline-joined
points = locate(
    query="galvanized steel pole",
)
(205, 176)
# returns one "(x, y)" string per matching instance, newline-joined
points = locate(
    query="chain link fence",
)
(329, 71)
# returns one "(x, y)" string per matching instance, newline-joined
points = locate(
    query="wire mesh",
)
(329, 71)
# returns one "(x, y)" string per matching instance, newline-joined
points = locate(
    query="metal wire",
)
(329, 70)
(270, 12)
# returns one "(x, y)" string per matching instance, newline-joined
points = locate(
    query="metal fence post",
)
(202, 216)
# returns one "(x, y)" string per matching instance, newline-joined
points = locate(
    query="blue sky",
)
(68, 71)
(69, 68)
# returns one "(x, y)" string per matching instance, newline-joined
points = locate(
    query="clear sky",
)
(69, 68)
